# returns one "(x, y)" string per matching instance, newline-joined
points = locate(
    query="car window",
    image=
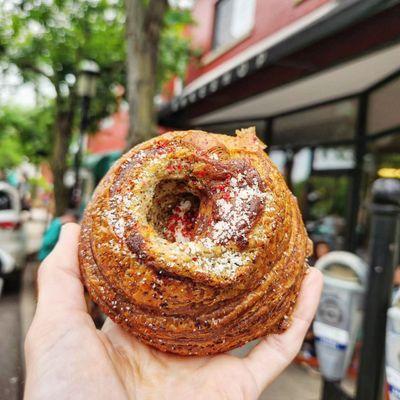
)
(5, 200)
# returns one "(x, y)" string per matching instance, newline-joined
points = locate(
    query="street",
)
(16, 312)
(10, 365)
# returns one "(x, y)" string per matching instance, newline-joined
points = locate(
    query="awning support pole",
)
(355, 189)
(384, 237)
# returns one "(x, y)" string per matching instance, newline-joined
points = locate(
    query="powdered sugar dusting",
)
(224, 264)
(235, 211)
(239, 199)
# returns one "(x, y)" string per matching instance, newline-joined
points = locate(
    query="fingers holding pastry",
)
(274, 353)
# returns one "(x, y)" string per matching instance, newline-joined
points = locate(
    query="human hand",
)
(68, 358)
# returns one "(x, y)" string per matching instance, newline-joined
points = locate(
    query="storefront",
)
(331, 151)
(329, 113)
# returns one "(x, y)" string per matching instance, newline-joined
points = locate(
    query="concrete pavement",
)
(10, 365)
(295, 383)
(16, 311)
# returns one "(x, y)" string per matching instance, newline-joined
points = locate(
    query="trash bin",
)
(393, 353)
(339, 314)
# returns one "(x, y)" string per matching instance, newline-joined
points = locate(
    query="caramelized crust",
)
(194, 244)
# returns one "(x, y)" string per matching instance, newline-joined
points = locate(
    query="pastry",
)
(194, 244)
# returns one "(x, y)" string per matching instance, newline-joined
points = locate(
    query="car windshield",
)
(5, 200)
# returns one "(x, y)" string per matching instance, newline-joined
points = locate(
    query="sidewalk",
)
(10, 366)
(295, 383)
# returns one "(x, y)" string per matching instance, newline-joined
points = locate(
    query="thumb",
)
(59, 284)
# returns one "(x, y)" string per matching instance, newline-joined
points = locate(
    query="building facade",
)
(320, 80)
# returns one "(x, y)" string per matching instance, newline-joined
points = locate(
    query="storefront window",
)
(320, 178)
(383, 108)
(324, 124)
(386, 156)
(328, 196)
(278, 157)
(301, 170)
(382, 161)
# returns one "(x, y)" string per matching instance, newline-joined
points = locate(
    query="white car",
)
(12, 236)
(7, 267)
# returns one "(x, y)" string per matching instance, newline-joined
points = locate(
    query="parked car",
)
(12, 235)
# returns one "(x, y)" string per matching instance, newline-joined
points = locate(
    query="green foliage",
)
(39, 182)
(388, 160)
(24, 134)
(50, 39)
(334, 192)
(332, 195)
(47, 40)
(174, 49)
(11, 153)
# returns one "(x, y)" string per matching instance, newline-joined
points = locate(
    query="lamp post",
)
(86, 89)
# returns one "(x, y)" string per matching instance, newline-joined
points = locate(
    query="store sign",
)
(333, 158)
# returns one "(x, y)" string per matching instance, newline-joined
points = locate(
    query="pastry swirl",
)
(194, 244)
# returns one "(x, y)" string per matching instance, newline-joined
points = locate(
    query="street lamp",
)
(86, 89)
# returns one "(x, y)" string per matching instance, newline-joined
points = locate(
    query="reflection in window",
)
(386, 154)
(329, 123)
(383, 108)
(301, 165)
(233, 20)
(278, 157)
(300, 175)
(327, 202)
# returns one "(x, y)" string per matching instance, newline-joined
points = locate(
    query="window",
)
(333, 158)
(384, 108)
(278, 157)
(233, 20)
(326, 123)
(5, 201)
(298, 2)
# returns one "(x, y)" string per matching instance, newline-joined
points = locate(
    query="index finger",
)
(274, 353)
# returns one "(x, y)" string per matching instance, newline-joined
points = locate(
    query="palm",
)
(67, 357)
(160, 375)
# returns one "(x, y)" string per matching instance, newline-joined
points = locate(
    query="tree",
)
(157, 50)
(24, 134)
(48, 40)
